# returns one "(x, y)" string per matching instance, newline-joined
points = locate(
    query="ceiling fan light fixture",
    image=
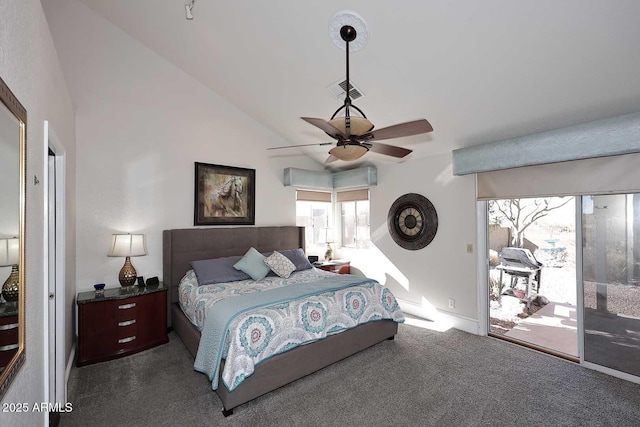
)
(359, 125)
(348, 152)
(354, 134)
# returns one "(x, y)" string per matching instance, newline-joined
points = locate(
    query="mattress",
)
(260, 334)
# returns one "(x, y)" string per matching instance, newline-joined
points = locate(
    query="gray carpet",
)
(423, 378)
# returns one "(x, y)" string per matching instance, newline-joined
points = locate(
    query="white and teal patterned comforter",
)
(257, 335)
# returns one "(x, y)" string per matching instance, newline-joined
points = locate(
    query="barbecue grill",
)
(520, 263)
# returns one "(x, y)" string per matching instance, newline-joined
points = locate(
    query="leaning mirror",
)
(13, 127)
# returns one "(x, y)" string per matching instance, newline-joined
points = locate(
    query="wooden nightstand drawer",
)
(118, 324)
(9, 338)
(9, 331)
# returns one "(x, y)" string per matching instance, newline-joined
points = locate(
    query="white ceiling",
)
(479, 71)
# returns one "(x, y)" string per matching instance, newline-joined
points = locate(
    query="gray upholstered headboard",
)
(180, 247)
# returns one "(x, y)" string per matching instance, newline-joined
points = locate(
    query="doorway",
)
(55, 364)
(532, 273)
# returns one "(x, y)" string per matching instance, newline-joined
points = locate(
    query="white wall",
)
(141, 125)
(430, 276)
(9, 174)
(29, 65)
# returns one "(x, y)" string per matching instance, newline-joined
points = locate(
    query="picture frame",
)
(224, 195)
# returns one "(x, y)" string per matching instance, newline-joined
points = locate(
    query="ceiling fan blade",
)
(389, 150)
(330, 159)
(301, 145)
(397, 131)
(325, 126)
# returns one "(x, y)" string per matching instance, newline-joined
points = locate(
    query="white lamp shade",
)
(326, 235)
(123, 245)
(9, 251)
(358, 125)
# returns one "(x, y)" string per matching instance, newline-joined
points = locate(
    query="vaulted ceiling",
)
(478, 71)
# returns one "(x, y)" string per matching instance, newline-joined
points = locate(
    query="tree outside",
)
(546, 226)
(520, 214)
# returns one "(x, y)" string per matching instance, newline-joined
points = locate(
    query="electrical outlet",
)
(452, 303)
(469, 248)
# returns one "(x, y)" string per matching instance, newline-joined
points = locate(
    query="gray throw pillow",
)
(298, 258)
(218, 270)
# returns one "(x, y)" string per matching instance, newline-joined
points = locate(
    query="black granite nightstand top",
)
(118, 293)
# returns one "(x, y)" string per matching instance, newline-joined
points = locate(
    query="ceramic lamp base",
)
(128, 274)
(11, 287)
(328, 255)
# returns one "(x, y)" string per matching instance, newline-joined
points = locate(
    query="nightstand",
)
(121, 322)
(335, 266)
(9, 327)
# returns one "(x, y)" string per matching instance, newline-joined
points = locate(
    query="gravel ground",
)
(558, 284)
(621, 299)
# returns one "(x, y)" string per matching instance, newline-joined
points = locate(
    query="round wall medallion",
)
(352, 19)
(412, 221)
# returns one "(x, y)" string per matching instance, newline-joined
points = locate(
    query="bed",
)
(181, 246)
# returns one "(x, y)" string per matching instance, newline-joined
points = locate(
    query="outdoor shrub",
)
(493, 258)
(496, 287)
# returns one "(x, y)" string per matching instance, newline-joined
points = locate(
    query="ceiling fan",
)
(355, 135)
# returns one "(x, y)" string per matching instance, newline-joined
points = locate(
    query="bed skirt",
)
(293, 364)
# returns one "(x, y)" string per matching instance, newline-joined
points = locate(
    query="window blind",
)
(352, 195)
(312, 196)
(602, 175)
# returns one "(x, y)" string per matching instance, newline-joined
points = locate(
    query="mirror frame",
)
(15, 107)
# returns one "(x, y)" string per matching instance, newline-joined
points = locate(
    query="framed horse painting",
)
(224, 195)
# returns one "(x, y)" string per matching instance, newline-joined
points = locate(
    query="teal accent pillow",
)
(253, 264)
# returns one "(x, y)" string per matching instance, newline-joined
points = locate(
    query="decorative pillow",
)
(253, 264)
(280, 264)
(298, 258)
(218, 270)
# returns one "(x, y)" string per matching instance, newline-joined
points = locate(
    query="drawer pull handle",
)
(125, 340)
(126, 306)
(127, 323)
(8, 347)
(9, 326)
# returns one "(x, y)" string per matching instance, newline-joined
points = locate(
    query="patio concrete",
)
(554, 327)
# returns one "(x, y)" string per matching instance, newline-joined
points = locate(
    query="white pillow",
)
(280, 264)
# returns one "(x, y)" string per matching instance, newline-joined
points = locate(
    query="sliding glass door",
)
(611, 277)
(532, 273)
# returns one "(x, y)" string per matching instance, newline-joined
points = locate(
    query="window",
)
(354, 209)
(313, 211)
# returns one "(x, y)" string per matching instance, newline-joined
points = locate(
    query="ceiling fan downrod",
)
(355, 135)
(348, 34)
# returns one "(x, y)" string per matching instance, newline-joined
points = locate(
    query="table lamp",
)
(127, 245)
(10, 257)
(327, 233)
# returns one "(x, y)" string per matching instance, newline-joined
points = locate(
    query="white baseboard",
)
(444, 319)
(67, 371)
